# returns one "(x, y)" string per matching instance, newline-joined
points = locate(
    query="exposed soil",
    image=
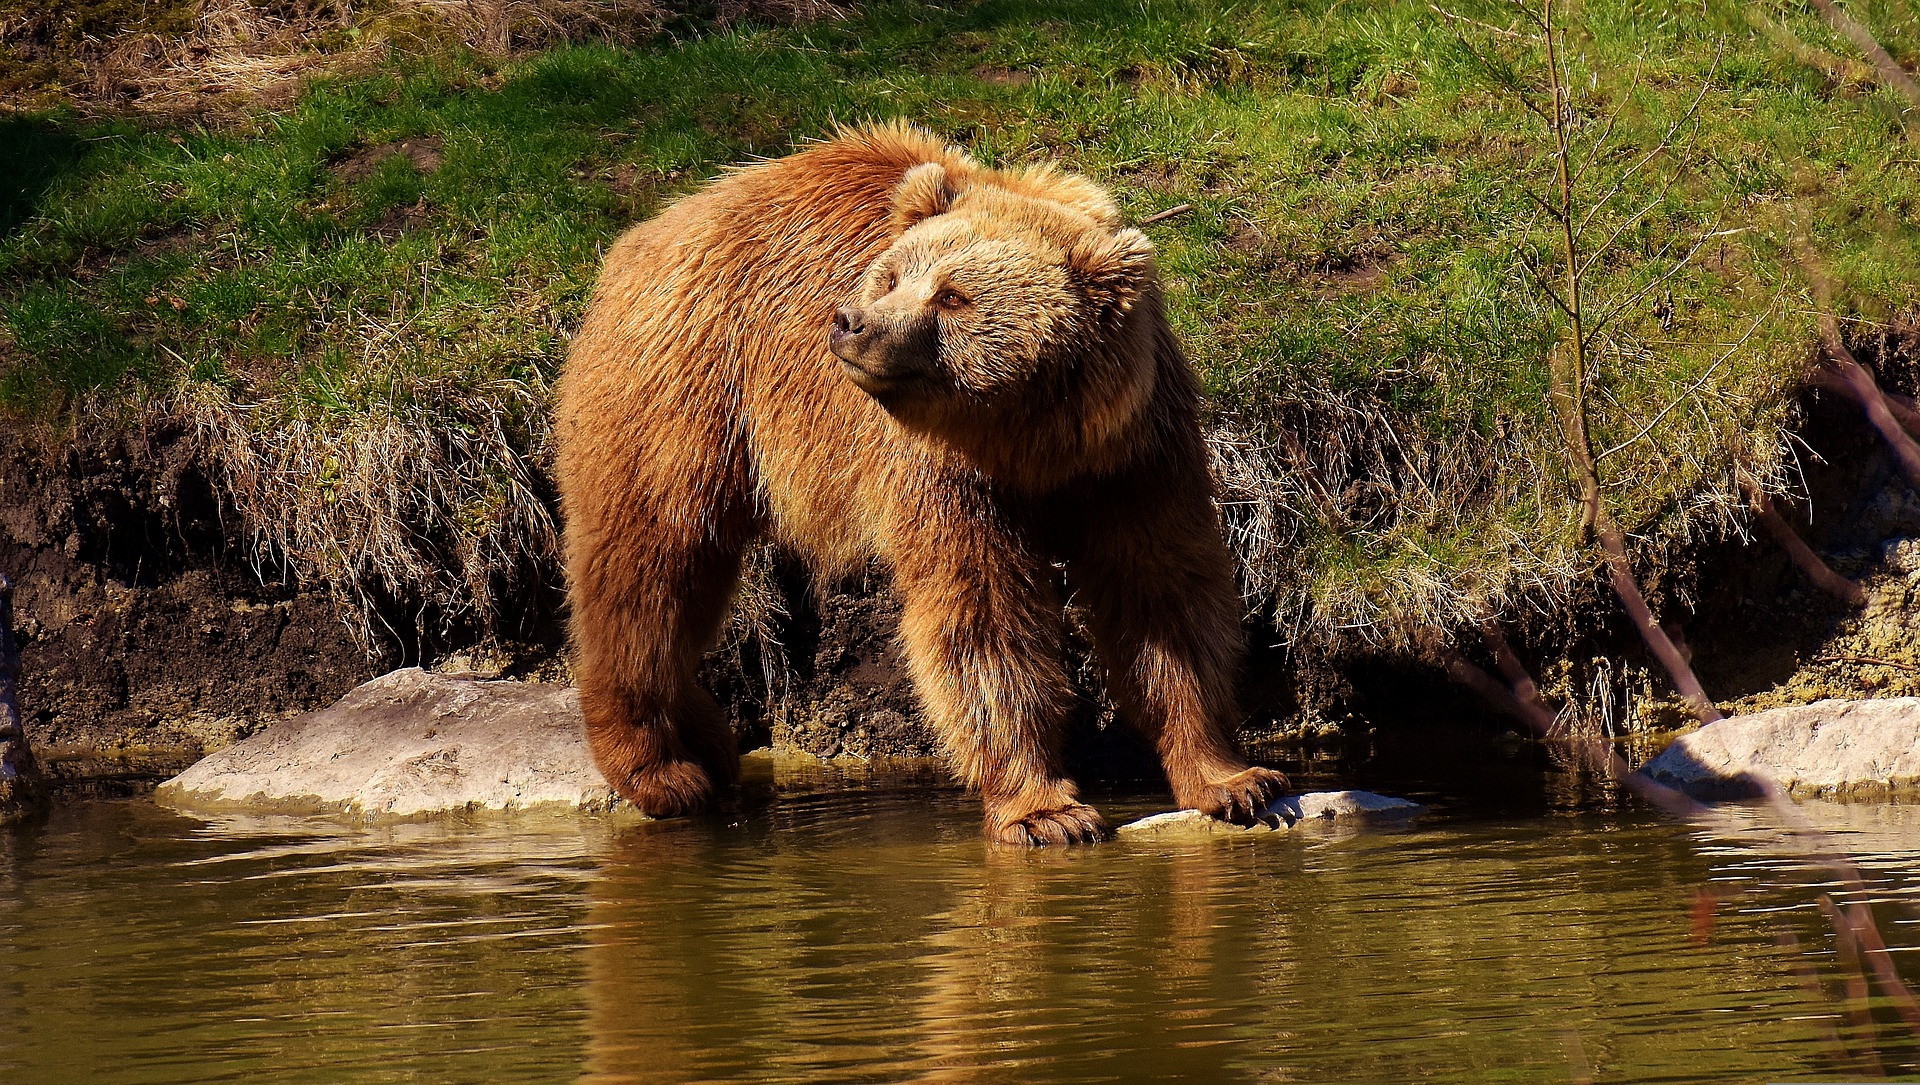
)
(1766, 637)
(423, 152)
(145, 639)
(1001, 76)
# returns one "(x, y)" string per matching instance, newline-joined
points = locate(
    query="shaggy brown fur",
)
(1007, 395)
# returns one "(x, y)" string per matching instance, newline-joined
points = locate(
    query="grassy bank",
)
(358, 299)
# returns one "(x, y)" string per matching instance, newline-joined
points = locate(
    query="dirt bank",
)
(150, 635)
(145, 635)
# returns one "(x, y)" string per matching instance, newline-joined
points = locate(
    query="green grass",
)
(1349, 280)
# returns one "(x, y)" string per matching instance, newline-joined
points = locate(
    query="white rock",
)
(408, 744)
(1342, 804)
(1828, 747)
(1284, 812)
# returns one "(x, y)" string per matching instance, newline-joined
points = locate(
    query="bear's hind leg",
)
(641, 624)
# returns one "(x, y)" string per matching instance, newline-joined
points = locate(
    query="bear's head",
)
(1010, 303)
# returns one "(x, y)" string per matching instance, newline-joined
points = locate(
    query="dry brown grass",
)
(237, 50)
(426, 503)
(249, 53)
(1329, 472)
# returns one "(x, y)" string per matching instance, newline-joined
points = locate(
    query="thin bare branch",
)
(1666, 141)
(1809, 563)
(1905, 451)
(1503, 32)
(1546, 287)
(1665, 277)
(1869, 661)
(1691, 388)
(1600, 142)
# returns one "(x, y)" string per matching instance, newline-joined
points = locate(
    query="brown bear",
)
(878, 346)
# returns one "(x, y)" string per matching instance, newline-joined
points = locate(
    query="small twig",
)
(1616, 309)
(1599, 144)
(1162, 216)
(1666, 141)
(1869, 660)
(1489, 27)
(1691, 389)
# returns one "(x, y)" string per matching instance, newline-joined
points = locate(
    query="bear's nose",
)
(848, 321)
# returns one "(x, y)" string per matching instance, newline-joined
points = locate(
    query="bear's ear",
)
(1114, 268)
(924, 192)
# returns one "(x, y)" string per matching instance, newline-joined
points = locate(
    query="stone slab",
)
(1283, 813)
(408, 744)
(1831, 747)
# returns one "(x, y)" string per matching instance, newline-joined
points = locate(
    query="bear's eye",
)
(888, 282)
(951, 299)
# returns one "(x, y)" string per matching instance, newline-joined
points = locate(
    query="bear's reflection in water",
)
(869, 934)
(948, 959)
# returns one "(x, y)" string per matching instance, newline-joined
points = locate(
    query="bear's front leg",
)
(983, 636)
(1147, 562)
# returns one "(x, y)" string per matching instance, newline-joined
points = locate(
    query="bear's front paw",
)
(1238, 798)
(667, 789)
(1074, 823)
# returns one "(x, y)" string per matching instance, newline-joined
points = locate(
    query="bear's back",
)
(708, 331)
(756, 262)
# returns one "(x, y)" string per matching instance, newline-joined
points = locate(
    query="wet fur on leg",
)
(1052, 816)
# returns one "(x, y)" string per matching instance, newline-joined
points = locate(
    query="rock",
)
(1349, 805)
(408, 744)
(1828, 747)
(1285, 812)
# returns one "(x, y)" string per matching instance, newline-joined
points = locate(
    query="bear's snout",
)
(848, 322)
(879, 352)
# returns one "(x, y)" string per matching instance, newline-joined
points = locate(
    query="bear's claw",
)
(1239, 798)
(1076, 823)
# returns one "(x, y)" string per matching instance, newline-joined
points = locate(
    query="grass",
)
(360, 299)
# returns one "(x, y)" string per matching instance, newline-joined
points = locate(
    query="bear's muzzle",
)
(882, 357)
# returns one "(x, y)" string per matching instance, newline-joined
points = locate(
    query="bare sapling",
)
(1580, 343)
(1570, 364)
(20, 789)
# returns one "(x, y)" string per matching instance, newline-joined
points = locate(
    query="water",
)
(859, 930)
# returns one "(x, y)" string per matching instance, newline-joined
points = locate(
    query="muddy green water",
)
(860, 931)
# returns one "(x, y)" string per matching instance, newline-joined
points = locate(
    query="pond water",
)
(841, 928)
